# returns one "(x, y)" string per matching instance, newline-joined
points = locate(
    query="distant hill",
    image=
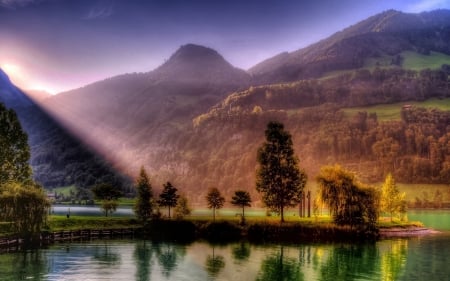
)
(133, 119)
(384, 35)
(57, 158)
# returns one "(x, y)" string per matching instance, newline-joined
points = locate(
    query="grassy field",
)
(391, 112)
(65, 190)
(416, 61)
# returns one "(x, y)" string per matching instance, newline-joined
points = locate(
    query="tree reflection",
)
(142, 256)
(350, 262)
(279, 267)
(394, 259)
(241, 252)
(214, 264)
(105, 256)
(28, 265)
(169, 256)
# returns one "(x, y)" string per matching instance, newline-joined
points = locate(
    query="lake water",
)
(417, 258)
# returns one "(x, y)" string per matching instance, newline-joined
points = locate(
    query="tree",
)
(14, 149)
(25, 206)
(182, 209)
(392, 201)
(143, 207)
(349, 202)
(215, 200)
(241, 199)
(279, 178)
(108, 194)
(168, 197)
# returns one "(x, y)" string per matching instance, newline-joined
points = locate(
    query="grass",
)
(57, 223)
(65, 190)
(416, 61)
(391, 112)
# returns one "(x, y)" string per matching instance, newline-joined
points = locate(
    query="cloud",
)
(13, 4)
(427, 5)
(99, 12)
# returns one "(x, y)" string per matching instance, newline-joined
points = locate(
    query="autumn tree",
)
(14, 149)
(279, 178)
(241, 199)
(143, 207)
(392, 201)
(168, 197)
(215, 200)
(108, 195)
(349, 201)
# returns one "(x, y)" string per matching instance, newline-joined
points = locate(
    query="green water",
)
(416, 258)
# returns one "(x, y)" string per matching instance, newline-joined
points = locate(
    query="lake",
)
(416, 258)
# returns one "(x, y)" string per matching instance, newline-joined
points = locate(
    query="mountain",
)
(197, 121)
(382, 38)
(134, 119)
(57, 158)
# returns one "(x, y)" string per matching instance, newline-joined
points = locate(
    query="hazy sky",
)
(58, 45)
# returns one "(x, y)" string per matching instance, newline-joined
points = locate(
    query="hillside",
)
(386, 35)
(57, 158)
(197, 121)
(134, 119)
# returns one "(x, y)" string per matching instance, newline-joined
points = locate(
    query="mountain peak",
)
(193, 63)
(194, 52)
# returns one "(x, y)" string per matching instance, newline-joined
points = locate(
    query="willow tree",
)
(279, 178)
(25, 206)
(349, 201)
(14, 149)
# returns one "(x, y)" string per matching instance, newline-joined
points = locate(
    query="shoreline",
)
(406, 231)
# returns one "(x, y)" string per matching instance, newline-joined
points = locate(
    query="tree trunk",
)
(169, 212)
(282, 213)
(243, 211)
(214, 214)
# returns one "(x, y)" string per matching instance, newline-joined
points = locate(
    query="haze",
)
(60, 45)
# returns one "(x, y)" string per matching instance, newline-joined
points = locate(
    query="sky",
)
(58, 45)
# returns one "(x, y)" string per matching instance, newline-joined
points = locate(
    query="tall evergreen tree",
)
(279, 178)
(143, 207)
(215, 200)
(168, 197)
(14, 149)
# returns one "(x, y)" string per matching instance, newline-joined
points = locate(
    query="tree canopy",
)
(279, 178)
(349, 201)
(215, 200)
(108, 194)
(14, 149)
(392, 201)
(242, 199)
(168, 197)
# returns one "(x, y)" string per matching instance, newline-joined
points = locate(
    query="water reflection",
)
(241, 252)
(169, 256)
(393, 258)
(424, 258)
(214, 264)
(279, 267)
(350, 262)
(142, 258)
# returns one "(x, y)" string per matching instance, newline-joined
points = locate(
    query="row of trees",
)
(349, 201)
